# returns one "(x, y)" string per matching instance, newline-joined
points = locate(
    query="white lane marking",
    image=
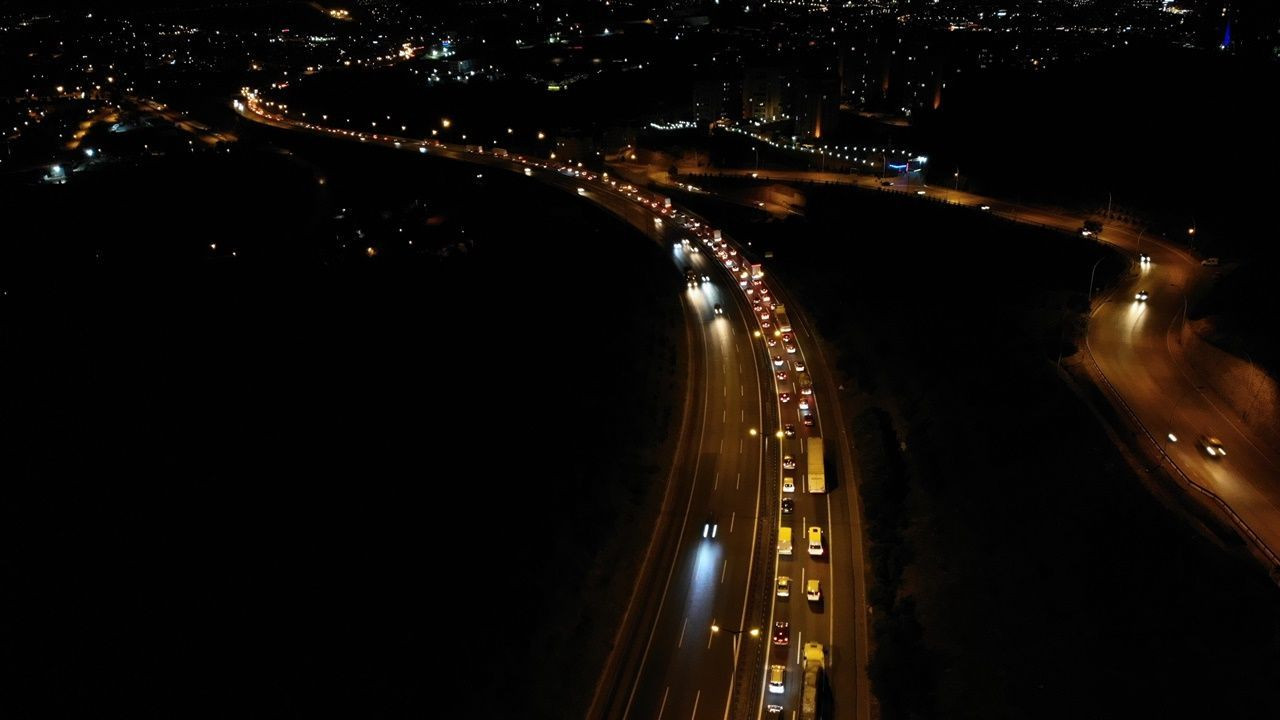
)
(737, 485)
(716, 482)
(697, 697)
(663, 706)
(800, 644)
(732, 516)
(739, 446)
(742, 391)
(724, 416)
(711, 635)
(666, 587)
(831, 591)
(742, 415)
(721, 446)
(723, 568)
(683, 625)
(726, 391)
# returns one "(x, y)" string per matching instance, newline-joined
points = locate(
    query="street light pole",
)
(737, 637)
(1091, 272)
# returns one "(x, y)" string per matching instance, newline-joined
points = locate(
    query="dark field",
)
(302, 480)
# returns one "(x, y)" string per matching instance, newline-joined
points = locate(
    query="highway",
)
(1140, 366)
(720, 565)
(1136, 346)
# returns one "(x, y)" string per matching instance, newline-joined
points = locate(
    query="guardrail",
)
(1221, 504)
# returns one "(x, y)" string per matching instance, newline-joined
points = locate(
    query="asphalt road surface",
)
(728, 487)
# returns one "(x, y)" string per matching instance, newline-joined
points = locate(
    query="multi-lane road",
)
(1140, 364)
(702, 640)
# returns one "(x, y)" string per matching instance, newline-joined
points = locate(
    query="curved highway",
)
(705, 646)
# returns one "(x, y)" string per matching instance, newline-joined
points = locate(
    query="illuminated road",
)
(728, 473)
(1137, 350)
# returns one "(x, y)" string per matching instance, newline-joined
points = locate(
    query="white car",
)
(815, 540)
(1141, 296)
(777, 677)
(784, 586)
(788, 484)
(813, 590)
(804, 402)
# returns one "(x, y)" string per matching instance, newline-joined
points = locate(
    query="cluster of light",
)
(674, 125)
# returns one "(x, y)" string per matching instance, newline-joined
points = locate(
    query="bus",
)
(804, 383)
(780, 313)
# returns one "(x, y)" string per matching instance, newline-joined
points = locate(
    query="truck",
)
(757, 272)
(815, 663)
(499, 152)
(804, 383)
(780, 312)
(817, 470)
(784, 541)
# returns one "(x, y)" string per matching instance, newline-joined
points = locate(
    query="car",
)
(766, 325)
(784, 586)
(788, 484)
(789, 430)
(790, 348)
(886, 183)
(1144, 258)
(781, 375)
(710, 527)
(984, 207)
(784, 397)
(1212, 446)
(1141, 296)
(764, 314)
(706, 278)
(1210, 262)
(788, 506)
(786, 337)
(815, 540)
(582, 191)
(777, 677)
(773, 711)
(771, 341)
(804, 402)
(807, 419)
(777, 361)
(813, 590)
(799, 364)
(719, 310)
(788, 462)
(781, 632)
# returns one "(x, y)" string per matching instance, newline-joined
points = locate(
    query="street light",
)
(1091, 272)
(753, 632)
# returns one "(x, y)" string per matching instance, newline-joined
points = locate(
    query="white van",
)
(784, 541)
